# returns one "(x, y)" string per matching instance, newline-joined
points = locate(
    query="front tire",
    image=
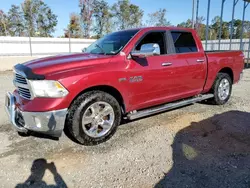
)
(222, 89)
(22, 134)
(93, 117)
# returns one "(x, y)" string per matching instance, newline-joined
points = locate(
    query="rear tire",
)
(222, 89)
(93, 117)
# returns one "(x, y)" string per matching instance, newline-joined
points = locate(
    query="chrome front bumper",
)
(49, 123)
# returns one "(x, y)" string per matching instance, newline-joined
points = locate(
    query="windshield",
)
(111, 44)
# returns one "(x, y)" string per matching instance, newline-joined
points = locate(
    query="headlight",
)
(47, 88)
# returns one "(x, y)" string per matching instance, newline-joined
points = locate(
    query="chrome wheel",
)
(98, 119)
(224, 89)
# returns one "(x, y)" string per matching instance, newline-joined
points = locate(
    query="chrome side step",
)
(169, 106)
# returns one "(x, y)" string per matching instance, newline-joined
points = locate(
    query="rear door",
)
(191, 60)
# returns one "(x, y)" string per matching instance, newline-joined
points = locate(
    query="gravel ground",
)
(196, 146)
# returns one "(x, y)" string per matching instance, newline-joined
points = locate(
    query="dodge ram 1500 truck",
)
(126, 74)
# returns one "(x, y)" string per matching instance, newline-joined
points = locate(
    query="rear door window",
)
(184, 42)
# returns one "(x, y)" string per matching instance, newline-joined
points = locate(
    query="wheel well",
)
(229, 72)
(110, 90)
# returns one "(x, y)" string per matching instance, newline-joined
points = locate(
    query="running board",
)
(169, 106)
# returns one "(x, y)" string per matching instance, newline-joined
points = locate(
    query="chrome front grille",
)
(24, 92)
(22, 86)
(20, 79)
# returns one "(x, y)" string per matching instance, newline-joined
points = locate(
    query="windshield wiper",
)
(114, 52)
(97, 45)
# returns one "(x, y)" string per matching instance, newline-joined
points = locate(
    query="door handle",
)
(200, 60)
(166, 64)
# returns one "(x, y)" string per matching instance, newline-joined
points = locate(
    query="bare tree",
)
(158, 18)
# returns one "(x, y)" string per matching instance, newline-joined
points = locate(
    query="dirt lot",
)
(195, 146)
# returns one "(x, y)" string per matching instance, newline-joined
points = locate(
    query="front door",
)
(159, 77)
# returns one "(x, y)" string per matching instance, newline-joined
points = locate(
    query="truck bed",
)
(220, 51)
(223, 59)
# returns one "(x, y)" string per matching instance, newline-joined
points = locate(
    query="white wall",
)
(225, 45)
(20, 46)
(15, 50)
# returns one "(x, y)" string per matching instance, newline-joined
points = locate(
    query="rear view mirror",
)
(150, 49)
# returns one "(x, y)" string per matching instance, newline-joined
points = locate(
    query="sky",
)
(177, 10)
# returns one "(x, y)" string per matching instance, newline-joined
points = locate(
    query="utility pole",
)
(193, 14)
(30, 29)
(197, 14)
(243, 24)
(207, 26)
(69, 41)
(221, 20)
(232, 24)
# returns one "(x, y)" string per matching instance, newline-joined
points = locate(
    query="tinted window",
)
(111, 44)
(154, 37)
(184, 42)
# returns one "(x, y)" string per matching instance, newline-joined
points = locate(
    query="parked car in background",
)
(127, 74)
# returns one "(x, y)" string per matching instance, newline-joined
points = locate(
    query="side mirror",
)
(146, 50)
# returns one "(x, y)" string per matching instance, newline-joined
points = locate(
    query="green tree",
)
(39, 18)
(201, 28)
(74, 28)
(16, 21)
(216, 29)
(237, 27)
(246, 31)
(126, 15)
(158, 18)
(187, 24)
(86, 12)
(46, 22)
(136, 15)
(30, 10)
(3, 24)
(102, 17)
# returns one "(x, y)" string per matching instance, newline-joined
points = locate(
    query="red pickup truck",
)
(124, 75)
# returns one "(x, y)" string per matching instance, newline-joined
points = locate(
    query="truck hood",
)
(55, 64)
